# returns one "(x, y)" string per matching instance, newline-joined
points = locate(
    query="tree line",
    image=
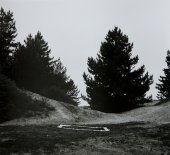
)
(113, 82)
(31, 66)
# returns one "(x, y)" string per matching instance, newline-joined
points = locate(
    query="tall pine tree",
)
(8, 34)
(32, 63)
(113, 83)
(164, 85)
(36, 71)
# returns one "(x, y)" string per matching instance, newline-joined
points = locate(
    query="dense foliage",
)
(35, 70)
(32, 63)
(8, 34)
(113, 82)
(61, 87)
(31, 67)
(164, 85)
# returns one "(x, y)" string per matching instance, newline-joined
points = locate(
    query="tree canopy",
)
(8, 34)
(32, 63)
(35, 70)
(164, 85)
(113, 82)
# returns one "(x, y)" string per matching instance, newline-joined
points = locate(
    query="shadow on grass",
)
(50, 139)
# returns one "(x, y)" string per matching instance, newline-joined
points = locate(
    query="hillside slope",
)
(68, 114)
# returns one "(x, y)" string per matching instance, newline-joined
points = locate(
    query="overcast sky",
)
(75, 29)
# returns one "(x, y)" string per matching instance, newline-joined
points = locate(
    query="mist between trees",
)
(113, 83)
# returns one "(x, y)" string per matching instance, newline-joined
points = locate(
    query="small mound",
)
(15, 103)
(65, 113)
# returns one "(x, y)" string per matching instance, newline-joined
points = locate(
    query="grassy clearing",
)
(32, 139)
(130, 138)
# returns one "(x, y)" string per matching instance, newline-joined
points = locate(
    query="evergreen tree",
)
(62, 87)
(32, 63)
(68, 85)
(36, 71)
(114, 85)
(164, 85)
(8, 34)
(72, 92)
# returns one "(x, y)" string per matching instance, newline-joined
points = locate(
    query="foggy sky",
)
(74, 29)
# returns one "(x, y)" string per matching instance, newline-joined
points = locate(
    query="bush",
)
(15, 104)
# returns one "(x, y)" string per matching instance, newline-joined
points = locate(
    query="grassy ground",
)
(15, 103)
(129, 138)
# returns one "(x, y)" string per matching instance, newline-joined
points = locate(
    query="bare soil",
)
(123, 139)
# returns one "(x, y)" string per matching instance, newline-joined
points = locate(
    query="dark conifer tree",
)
(8, 34)
(62, 87)
(114, 85)
(164, 85)
(32, 63)
(35, 70)
(72, 92)
(68, 85)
